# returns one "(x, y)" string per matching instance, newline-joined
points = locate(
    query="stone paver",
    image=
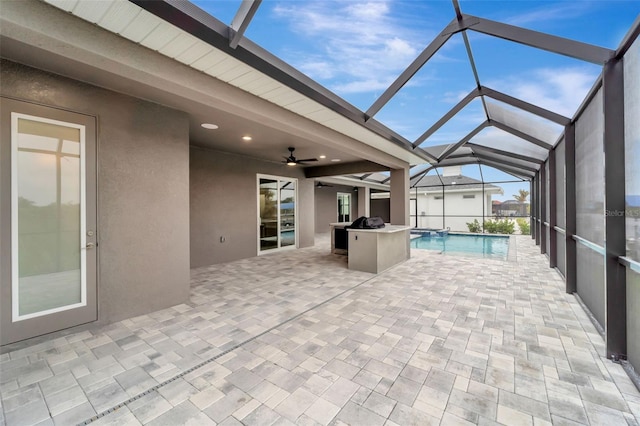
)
(436, 340)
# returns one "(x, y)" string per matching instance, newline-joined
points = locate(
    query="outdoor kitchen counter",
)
(374, 250)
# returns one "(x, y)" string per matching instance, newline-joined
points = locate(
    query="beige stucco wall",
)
(143, 190)
(223, 203)
(327, 205)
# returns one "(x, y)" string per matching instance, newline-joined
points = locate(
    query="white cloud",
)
(363, 47)
(560, 90)
(549, 12)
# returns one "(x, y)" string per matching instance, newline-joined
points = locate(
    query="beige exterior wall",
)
(143, 190)
(223, 203)
(327, 205)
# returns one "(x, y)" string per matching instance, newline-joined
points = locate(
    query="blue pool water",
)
(490, 246)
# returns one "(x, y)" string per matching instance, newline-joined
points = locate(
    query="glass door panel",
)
(277, 209)
(47, 204)
(268, 214)
(344, 207)
(287, 213)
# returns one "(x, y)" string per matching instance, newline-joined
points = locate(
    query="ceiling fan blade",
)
(306, 160)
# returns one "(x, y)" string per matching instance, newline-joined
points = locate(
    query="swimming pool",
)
(490, 246)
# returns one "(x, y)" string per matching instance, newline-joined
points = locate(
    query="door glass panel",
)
(47, 211)
(344, 207)
(287, 213)
(268, 214)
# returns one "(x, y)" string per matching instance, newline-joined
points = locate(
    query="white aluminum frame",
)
(15, 293)
(295, 214)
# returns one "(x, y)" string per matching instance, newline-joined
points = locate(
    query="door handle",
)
(90, 246)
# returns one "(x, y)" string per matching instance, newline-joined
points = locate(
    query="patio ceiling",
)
(523, 133)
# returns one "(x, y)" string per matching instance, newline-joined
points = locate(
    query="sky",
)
(357, 49)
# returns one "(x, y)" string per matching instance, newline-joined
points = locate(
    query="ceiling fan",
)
(292, 161)
(322, 185)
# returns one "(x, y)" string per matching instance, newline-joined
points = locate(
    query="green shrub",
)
(497, 226)
(524, 225)
(474, 226)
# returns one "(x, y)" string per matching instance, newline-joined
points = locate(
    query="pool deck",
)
(297, 338)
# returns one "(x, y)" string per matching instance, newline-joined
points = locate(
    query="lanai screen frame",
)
(486, 215)
(230, 40)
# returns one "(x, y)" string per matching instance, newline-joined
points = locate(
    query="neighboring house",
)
(465, 199)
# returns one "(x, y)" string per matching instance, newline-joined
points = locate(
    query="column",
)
(364, 204)
(399, 192)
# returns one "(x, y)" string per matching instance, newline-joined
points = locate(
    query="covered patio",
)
(297, 338)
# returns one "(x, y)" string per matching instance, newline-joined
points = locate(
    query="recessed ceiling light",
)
(246, 138)
(335, 160)
(323, 156)
(209, 126)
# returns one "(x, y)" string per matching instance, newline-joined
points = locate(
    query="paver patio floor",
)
(297, 338)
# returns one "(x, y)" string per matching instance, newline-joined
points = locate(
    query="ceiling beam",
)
(521, 174)
(448, 116)
(527, 137)
(476, 147)
(343, 169)
(550, 43)
(499, 96)
(524, 174)
(505, 162)
(452, 148)
(241, 21)
(433, 47)
(525, 106)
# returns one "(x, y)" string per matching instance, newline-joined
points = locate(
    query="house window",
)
(469, 196)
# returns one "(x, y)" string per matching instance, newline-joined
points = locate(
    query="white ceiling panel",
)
(278, 92)
(224, 66)
(194, 53)
(262, 85)
(246, 79)
(141, 26)
(119, 15)
(305, 106)
(92, 11)
(178, 45)
(66, 5)
(234, 73)
(322, 116)
(209, 60)
(160, 36)
(288, 99)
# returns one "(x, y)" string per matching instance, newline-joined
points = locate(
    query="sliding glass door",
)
(277, 213)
